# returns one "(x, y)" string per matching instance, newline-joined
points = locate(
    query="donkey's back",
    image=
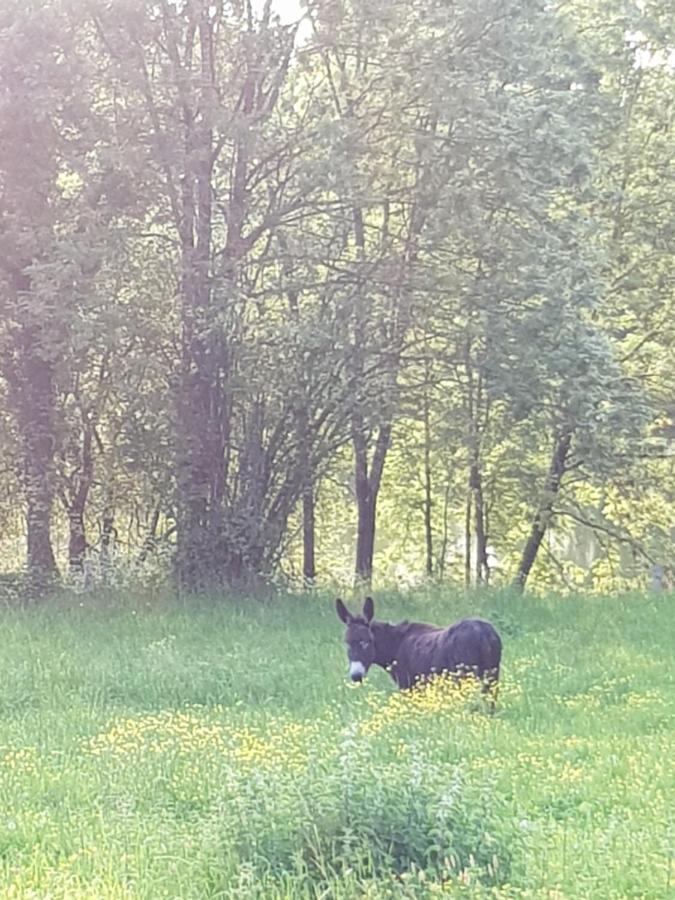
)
(469, 646)
(472, 644)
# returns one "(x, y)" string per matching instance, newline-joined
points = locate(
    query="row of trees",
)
(258, 275)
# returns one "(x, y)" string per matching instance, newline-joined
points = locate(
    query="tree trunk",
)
(304, 444)
(200, 457)
(476, 484)
(150, 539)
(367, 479)
(198, 555)
(77, 541)
(542, 518)
(365, 537)
(77, 503)
(308, 534)
(38, 457)
(367, 484)
(30, 378)
(446, 528)
(428, 502)
(478, 417)
(467, 542)
(108, 533)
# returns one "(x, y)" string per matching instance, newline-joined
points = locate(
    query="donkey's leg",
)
(491, 688)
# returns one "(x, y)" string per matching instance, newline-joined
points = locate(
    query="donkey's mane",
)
(406, 626)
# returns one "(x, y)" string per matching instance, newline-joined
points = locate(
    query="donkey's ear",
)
(368, 609)
(342, 611)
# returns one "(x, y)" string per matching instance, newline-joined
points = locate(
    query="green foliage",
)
(453, 221)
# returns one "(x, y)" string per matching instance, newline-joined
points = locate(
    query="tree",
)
(39, 79)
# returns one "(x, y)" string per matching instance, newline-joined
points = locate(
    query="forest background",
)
(363, 288)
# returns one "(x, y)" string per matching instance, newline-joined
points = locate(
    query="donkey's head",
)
(358, 638)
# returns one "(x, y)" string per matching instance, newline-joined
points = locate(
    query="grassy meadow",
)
(148, 750)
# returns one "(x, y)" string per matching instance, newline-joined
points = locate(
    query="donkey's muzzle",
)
(356, 671)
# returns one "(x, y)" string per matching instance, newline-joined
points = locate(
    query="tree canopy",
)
(385, 290)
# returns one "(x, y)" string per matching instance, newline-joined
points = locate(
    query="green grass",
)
(151, 751)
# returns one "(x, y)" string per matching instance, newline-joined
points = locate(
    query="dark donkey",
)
(412, 652)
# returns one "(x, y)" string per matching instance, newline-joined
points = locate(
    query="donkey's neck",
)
(387, 639)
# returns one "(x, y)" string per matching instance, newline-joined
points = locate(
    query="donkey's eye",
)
(365, 644)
